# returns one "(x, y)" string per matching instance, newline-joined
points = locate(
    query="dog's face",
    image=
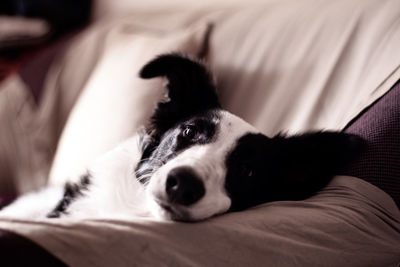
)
(191, 166)
(201, 160)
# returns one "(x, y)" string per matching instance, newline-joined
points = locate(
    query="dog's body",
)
(196, 160)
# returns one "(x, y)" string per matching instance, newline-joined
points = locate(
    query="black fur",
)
(258, 169)
(262, 169)
(190, 91)
(71, 192)
(174, 141)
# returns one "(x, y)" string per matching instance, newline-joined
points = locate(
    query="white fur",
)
(208, 161)
(114, 190)
(34, 205)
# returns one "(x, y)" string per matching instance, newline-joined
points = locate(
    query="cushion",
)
(379, 126)
(115, 102)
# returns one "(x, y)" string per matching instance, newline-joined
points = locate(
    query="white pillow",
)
(115, 102)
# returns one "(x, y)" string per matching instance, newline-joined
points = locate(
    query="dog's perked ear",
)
(190, 90)
(289, 168)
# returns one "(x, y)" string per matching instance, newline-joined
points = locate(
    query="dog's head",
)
(199, 160)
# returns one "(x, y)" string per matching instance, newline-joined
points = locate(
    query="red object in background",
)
(10, 61)
(9, 65)
(5, 68)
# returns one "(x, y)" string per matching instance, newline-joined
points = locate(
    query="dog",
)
(195, 160)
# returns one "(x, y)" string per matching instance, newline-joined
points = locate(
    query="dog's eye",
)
(190, 132)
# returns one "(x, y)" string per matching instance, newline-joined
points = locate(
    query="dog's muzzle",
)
(183, 186)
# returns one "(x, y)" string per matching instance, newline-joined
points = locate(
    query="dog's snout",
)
(184, 187)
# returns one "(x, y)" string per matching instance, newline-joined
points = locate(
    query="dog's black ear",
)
(305, 163)
(262, 169)
(190, 90)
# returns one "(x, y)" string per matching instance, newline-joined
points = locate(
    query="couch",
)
(284, 66)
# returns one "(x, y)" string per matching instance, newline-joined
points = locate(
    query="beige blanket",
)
(349, 223)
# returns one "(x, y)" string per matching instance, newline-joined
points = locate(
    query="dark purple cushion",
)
(379, 125)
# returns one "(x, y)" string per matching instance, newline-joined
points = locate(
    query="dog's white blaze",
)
(208, 161)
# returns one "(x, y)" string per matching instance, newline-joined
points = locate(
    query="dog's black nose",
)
(184, 187)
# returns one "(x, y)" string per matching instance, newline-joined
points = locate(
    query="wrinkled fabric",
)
(284, 66)
(349, 223)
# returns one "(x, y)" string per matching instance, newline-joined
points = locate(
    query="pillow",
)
(115, 102)
(379, 125)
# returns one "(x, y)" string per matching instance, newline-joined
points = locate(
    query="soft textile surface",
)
(34, 105)
(380, 126)
(115, 102)
(291, 65)
(282, 65)
(301, 65)
(349, 223)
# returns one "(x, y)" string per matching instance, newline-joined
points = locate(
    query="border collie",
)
(195, 160)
